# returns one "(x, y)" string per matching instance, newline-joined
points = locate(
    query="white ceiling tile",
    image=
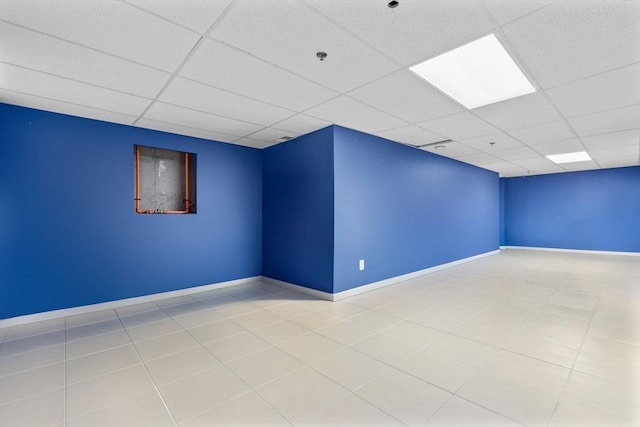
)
(538, 166)
(412, 135)
(629, 151)
(415, 30)
(254, 143)
(184, 130)
(459, 126)
(451, 149)
(110, 26)
(560, 147)
(520, 112)
(608, 121)
(505, 11)
(85, 58)
(547, 169)
(503, 167)
(478, 159)
(500, 141)
(350, 113)
(580, 166)
(537, 163)
(545, 172)
(57, 88)
(205, 98)
(54, 56)
(514, 154)
(301, 124)
(289, 34)
(407, 97)
(547, 132)
(269, 134)
(32, 101)
(614, 139)
(162, 112)
(569, 39)
(197, 15)
(512, 173)
(235, 71)
(603, 92)
(618, 162)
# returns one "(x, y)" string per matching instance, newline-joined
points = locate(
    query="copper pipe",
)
(138, 210)
(186, 188)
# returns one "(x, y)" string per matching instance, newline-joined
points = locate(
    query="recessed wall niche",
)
(165, 181)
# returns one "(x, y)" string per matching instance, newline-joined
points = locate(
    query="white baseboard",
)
(577, 251)
(299, 288)
(54, 314)
(374, 285)
(392, 280)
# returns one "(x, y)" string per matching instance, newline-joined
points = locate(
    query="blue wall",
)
(305, 212)
(297, 244)
(68, 232)
(503, 235)
(591, 210)
(403, 210)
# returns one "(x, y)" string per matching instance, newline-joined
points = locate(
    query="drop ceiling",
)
(246, 72)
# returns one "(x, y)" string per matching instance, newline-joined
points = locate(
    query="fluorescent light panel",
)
(476, 74)
(579, 156)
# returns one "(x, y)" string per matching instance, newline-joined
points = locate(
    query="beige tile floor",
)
(521, 338)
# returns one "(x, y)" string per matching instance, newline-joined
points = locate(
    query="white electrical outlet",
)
(361, 264)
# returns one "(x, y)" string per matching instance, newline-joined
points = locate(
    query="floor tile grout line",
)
(64, 399)
(222, 363)
(575, 359)
(303, 364)
(93, 335)
(456, 395)
(114, 403)
(90, 322)
(452, 394)
(33, 349)
(155, 386)
(93, 353)
(8, 329)
(480, 369)
(32, 396)
(350, 394)
(32, 368)
(204, 344)
(559, 288)
(231, 399)
(250, 388)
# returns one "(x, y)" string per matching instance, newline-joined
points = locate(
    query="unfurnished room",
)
(319, 213)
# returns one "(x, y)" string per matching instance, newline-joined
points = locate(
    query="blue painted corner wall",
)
(69, 235)
(590, 210)
(503, 236)
(403, 210)
(305, 212)
(337, 195)
(297, 206)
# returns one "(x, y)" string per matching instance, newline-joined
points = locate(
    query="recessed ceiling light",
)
(579, 156)
(439, 147)
(476, 74)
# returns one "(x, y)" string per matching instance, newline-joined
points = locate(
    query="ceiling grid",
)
(246, 72)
